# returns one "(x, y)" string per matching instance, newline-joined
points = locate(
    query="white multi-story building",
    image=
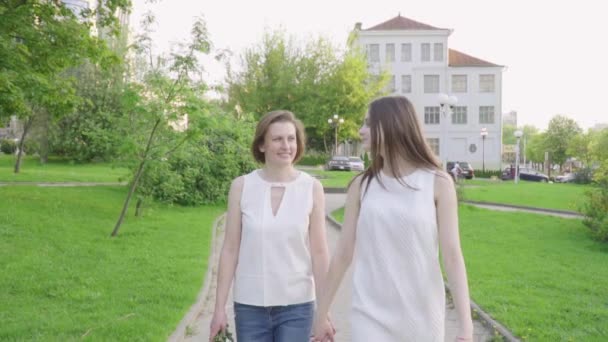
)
(421, 67)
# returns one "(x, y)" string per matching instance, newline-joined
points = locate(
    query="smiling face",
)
(280, 144)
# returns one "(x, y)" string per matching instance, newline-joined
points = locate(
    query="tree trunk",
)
(44, 137)
(26, 128)
(138, 207)
(138, 174)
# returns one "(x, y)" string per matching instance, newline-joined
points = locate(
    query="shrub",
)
(583, 176)
(314, 158)
(596, 208)
(202, 171)
(487, 173)
(8, 146)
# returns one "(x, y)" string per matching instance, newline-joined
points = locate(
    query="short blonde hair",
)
(262, 128)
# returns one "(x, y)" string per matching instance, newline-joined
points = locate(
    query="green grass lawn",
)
(63, 277)
(543, 277)
(59, 171)
(532, 194)
(333, 179)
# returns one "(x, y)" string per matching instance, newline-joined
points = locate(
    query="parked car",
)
(526, 174)
(567, 177)
(467, 170)
(338, 163)
(356, 164)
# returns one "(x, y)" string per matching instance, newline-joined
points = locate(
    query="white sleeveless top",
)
(398, 291)
(274, 266)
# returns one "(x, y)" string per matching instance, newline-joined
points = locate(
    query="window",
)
(390, 52)
(459, 115)
(374, 53)
(406, 84)
(431, 84)
(425, 52)
(438, 52)
(486, 114)
(406, 52)
(459, 83)
(486, 83)
(431, 115)
(433, 144)
(391, 84)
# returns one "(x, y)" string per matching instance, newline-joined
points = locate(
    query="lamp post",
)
(335, 122)
(518, 135)
(446, 102)
(484, 134)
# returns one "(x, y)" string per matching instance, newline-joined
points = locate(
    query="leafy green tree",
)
(558, 135)
(39, 40)
(315, 81)
(169, 90)
(580, 147)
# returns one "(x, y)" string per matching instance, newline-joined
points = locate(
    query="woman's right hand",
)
(218, 323)
(322, 330)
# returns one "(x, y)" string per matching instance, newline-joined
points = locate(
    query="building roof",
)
(460, 59)
(401, 23)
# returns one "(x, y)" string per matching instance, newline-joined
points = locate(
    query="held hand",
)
(323, 330)
(465, 334)
(218, 323)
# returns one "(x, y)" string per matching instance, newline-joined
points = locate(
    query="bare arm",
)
(449, 241)
(229, 256)
(318, 238)
(342, 257)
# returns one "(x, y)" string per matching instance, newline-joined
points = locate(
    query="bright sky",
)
(555, 52)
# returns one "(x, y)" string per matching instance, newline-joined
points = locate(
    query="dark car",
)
(467, 170)
(338, 163)
(525, 173)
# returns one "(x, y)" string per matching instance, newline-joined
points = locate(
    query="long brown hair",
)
(395, 130)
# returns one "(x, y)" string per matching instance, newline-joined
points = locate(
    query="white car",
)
(356, 164)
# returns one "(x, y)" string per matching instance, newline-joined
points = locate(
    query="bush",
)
(487, 173)
(314, 158)
(583, 176)
(596, 208)
(8, 146)
(202, 171)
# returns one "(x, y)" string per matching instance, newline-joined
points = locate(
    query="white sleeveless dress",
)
(398, 289)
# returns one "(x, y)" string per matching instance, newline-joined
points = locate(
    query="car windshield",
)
(339, 158)
(355, 159)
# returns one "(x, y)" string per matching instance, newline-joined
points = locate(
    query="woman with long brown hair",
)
(398, 213)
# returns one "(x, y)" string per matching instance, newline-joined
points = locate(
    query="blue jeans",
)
(290, 323)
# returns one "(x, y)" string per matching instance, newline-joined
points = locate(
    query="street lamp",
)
(335, 122)
(518, 135)
(484, 134)
(446, 102)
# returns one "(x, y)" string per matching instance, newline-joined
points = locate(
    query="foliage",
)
(488, 173)
(315, 81)
(39, 40)
(8, 146)
(558, 135)
(224, 336)
(596, 207)
(580, 147)
(314, 158)
(201, 172)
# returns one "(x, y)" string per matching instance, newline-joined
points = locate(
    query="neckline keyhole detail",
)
(277, 193)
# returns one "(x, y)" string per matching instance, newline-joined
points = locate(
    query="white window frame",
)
(406, 84)
(425, 52)
(459, 115)
(438, 52)
(432, 115)
(374, 53)
(432, 84)
(406, 52)
(487, 83)
(459, 83)
(390, 52)
(434, 145)
(486, 115)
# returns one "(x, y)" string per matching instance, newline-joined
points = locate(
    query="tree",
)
(315, 81)
(168, 92)
(580, 147)
(39, 40)
(558, 135)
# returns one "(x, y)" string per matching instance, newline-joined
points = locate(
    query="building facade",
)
(422, 67)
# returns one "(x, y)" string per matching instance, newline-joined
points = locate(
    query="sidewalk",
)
(340, 312)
